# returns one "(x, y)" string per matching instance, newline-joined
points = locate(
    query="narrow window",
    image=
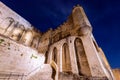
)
(66, 63)
(54, 55)
(82, 62)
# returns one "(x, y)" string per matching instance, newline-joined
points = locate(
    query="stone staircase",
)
(71, 76)
(44, 73)
(12, 76)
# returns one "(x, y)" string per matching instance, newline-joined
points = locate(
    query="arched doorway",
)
(66, 62)
(82, 62)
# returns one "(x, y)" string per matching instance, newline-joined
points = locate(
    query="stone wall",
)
(116, 73)
(88, 65)
(17, 28)
(7, 17)
(18, 58)
(43, 73)
(69, 49)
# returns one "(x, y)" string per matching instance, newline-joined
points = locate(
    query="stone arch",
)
(35, 42)
(54, 55)
(28, 37)
(5, 24)
(66, 62)
(82, 62)
(17, 32)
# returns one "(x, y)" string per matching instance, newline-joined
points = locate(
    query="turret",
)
(80, 21)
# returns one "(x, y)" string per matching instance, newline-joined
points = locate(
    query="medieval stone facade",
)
(69, 52)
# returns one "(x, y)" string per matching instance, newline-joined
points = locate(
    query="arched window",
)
(17, 32)
(35, 42)
(54, 55)
(28, 37)
(6, 23)
(66, 64)
(82, 63)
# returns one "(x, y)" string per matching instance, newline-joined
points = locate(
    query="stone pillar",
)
(109, 72)
(60, 58)
(72, 55)
(94, 61)
(104, 61)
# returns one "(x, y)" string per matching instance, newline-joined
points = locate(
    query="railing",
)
(11, 76)
(39, 67)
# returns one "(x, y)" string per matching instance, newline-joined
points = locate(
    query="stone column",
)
(72, 55)
(93, 57)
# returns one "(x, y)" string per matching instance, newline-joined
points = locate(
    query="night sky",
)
(104, 15)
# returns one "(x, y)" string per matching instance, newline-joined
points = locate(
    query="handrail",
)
(39, 67)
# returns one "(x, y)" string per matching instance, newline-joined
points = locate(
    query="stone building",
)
(69, 52)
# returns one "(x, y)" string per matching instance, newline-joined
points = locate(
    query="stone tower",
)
(74, 49)
(69, 52)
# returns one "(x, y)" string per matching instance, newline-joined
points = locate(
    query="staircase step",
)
(43, 73)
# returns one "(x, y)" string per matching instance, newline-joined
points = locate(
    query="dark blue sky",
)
(104, 15)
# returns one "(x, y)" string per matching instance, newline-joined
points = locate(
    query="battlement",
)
(17, 28)
(69, 52)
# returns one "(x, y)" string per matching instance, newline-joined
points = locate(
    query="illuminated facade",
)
(69, 52)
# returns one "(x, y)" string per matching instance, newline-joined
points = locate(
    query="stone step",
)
(71, 76)
(43, 73)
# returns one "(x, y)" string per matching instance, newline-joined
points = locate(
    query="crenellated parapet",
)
(15, 27)
(76, 24)
(70, 50)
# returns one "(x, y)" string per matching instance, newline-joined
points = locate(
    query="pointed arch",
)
(54, 55)
(35, 42)
(17, 32)
(6, 23)
(66, 62)
(82, 62)
(28, 37)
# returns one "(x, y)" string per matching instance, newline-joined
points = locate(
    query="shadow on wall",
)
(17, 32)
